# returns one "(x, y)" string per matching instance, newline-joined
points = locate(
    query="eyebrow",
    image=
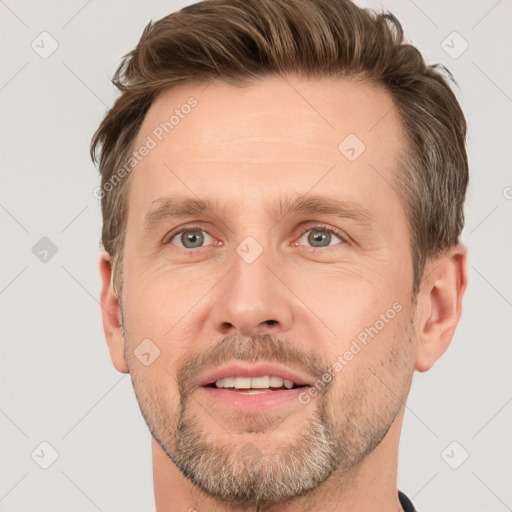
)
(323, 205)
(177, 207)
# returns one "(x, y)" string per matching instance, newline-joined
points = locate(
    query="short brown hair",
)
(239, 40)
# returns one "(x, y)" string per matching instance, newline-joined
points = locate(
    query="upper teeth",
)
(263, 382)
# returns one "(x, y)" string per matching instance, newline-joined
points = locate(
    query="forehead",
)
(281, 133)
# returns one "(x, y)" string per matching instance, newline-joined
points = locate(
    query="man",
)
(282, 194)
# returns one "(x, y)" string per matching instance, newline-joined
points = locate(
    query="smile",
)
(253, 385)
(253, 388)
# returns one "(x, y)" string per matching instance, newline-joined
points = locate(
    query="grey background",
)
(57, 381)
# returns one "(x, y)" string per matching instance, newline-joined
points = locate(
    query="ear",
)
(441, 305)
(111, 314)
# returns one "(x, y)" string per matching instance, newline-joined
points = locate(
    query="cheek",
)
(374, 375)
(377, 341)
(351, 299)
(157, 395)
(161, 306)
(155, 297)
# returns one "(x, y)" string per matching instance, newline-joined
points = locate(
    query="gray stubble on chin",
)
(244, 474)
(335, 438)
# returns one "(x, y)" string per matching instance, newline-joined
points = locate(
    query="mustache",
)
(265, 347)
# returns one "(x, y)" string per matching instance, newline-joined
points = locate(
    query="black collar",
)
(405, 502)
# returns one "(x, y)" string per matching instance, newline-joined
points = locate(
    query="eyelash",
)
(318, 227)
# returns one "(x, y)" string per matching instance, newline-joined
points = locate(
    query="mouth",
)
(254, 385)
(254, 388)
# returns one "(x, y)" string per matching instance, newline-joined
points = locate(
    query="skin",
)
(247, 147)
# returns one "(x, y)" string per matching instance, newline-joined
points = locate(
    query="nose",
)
(252, 300)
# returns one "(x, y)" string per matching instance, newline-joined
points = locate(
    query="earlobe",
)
(441, 306)
(111, 315)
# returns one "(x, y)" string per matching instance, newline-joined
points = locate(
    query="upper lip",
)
(239, 369)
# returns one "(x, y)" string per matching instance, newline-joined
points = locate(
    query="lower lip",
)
(252, 403)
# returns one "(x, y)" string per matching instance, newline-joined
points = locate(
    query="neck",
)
(372, 485)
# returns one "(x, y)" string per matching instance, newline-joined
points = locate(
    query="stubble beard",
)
(337, 436)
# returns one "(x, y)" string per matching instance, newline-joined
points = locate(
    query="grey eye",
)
(320, 237)
(190, 238)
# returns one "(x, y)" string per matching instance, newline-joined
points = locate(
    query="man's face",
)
(246, 295)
